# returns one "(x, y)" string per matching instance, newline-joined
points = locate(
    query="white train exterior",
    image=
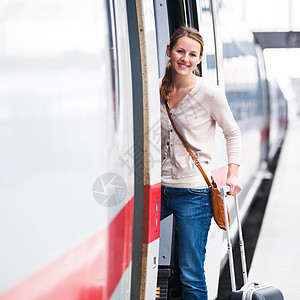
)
(80, 141)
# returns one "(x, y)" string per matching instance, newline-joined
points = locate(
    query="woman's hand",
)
(232, 179)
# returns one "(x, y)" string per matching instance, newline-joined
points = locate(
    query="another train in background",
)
(278, 115)
(80, 141)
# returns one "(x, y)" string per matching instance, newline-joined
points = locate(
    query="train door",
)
(146, 149)
(170, 15)
(66, 179)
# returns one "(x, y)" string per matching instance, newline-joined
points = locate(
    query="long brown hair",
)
(167, 79)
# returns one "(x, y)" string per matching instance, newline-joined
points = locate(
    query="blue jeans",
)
(192, 212)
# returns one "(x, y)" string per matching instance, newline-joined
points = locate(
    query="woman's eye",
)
(179, 51)
(193, 54)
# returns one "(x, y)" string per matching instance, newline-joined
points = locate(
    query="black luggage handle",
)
(224, 193)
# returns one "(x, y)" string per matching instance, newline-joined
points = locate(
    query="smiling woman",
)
(196, 107)
(186, 54)
(81, 135)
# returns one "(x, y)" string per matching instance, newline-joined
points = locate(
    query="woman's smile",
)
(183, 66)
(185, 55)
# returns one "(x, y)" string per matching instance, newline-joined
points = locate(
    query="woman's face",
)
(185, 55)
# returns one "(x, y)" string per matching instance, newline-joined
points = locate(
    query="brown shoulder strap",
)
(196, 161)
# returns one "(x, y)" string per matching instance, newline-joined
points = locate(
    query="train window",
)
(241, 72)
(162, 33)
(209, 68)
(114, 59)
(177, 14)
(182, 13)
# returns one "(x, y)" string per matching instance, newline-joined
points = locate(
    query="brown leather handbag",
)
(215, 196)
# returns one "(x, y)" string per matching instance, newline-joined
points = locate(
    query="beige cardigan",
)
(195, 118)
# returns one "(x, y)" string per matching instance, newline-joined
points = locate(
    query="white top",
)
(195, 118)
(195, 182)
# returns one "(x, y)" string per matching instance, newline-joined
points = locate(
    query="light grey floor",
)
(276, 259)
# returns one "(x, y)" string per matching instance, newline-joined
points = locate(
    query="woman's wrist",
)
(232, 179)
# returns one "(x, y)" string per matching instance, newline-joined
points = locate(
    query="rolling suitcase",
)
(250, 290)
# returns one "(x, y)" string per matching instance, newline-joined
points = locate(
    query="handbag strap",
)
(196, 161)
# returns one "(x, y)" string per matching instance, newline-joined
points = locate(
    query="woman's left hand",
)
(232, 180)
(235, 187)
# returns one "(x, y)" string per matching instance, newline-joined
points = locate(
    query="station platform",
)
(276, 259)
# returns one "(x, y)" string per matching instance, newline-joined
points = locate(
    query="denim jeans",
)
(192, 212)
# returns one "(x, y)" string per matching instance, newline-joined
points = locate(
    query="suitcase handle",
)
(224, 193)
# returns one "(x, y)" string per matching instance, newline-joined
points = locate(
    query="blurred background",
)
(283, 65)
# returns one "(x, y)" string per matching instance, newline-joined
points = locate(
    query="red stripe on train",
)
(90, 271)
(151, 226)
(264, 133)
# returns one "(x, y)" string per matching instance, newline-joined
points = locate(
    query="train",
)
(80, 142)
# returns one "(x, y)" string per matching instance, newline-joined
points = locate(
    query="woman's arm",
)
(222, 114)
(232, 179)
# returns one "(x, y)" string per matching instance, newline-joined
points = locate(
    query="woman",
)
(196, 106)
